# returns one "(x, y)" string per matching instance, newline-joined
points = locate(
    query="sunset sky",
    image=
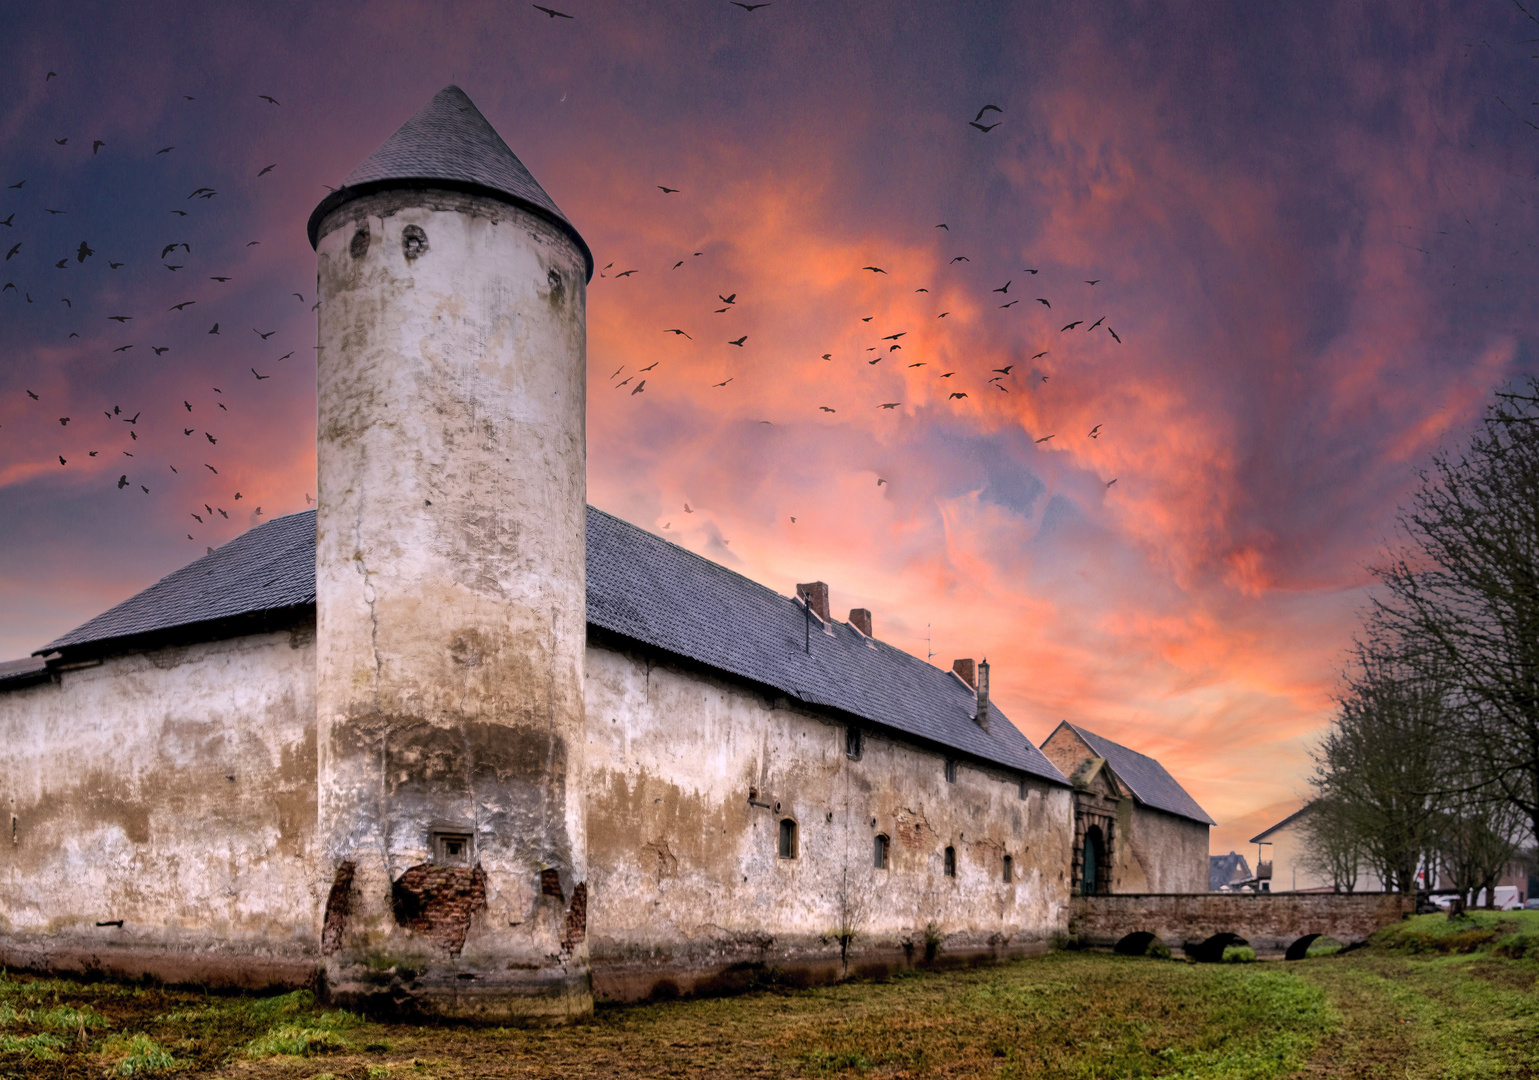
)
(1311, 225)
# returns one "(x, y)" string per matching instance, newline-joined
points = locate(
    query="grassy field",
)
(1429, 998)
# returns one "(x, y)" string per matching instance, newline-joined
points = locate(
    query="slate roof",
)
(642, 588)
(645, 588)
(1151, 784)
(1227, 870)
(15, 673)
(267, 569)
(449, 144)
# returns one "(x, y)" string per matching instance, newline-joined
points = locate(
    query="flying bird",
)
(988, 108)
(179, 307)
(113, 264)
(678, 264)
(625, 273)
(50, 75)
(269, 100)
(261, 335)
(828, 356)
(285, 356)
(961, 258)
(1005, 288)
(13, 251)
(552, 12)
(1095, 432)
(943, 225)
(1113, 333)
(889, 404)
(1072, 325)
(1010, 304)
(1004, 370)
(221, 280)
(64, 421)
(958, 395)
(120, 318)
(1097, 281)
(33, 396)
(895, 337)
(1044, 303)
(85, 250)
(825, 408)
(122, 481)
(18, 184)
(722, 383)
(649, 367)
(1039, 355)
(1044, 438)
(1112, 481)
(667, 190)
(984, 128)
(748, 7)
(259, 377)
(1095, 324)
(213, 470)
(874, 269)
(167, 150)
(7, 221)
(739, 341)
(62, 263)
(160, 350)
(122, 348)
(215, 329)
(678, 332)
(269, 169)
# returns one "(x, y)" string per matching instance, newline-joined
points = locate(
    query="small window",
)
(1009, 869)
(1021, 790)
(787, 838)
(951, 862)
(951, 771)
(451, 849)
(852, 743)
(879, 857)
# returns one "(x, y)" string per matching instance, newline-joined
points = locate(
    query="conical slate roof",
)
(449, 144)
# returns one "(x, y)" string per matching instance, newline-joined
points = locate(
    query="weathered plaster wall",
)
(1160, 852)
(173, 790)
(450, 585)
(687, 883)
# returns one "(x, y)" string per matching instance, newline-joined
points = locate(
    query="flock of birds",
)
(121, 432)
(127, 432)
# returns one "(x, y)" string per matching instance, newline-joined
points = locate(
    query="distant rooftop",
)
(641, 589)
(449, 144)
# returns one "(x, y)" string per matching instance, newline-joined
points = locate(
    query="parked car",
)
(1532, 904)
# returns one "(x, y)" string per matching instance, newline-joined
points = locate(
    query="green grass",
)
(1401, 1008)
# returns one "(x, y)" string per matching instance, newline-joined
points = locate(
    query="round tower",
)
(450, 579)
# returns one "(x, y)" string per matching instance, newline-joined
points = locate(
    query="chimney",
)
(860, 619)
(965, 669)
(982, 719)
(815, 594)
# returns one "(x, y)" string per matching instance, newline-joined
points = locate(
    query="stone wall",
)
(688, 779)
(161, 814)
(1268, 922)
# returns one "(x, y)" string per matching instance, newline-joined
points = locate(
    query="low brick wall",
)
(1268, 922)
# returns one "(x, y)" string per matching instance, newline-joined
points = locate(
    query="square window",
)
(452, 849)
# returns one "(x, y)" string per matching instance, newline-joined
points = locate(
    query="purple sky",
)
(1310, 225)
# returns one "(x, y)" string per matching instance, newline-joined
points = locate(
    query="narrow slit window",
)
(879, 855)
(951, 862)
(1020, 791)
(1009, 870)
(852, 743)
(951, 771)
(787, 838)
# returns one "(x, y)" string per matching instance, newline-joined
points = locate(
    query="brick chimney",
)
(815, 594)
(860, 619)
(967, 671)
(982, 719)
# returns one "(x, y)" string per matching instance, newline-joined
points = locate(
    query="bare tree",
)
(1464, 590)
(1332, 847)
(1378, 763)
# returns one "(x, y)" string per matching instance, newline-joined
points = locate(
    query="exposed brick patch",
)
(438, 902)
(339, 905)
(576, 918)
(914, 830)
(550, 883)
